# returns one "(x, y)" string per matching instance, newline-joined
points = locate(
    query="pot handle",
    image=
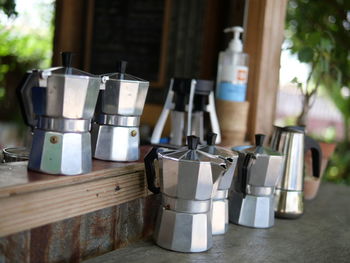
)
(151, 171)
(316, 154)
(24, 94)
(247, 163)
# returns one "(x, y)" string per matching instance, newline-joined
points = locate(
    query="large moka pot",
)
(219, 212)
(251, 199)
(189, 179)
(293, 143)
(115, 133)
(58, 103)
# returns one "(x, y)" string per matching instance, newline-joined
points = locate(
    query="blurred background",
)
(162, 38)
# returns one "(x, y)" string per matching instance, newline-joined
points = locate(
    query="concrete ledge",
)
(322, 234)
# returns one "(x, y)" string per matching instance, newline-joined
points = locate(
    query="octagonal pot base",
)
(60, 153)
(183, 232)
(251, 211)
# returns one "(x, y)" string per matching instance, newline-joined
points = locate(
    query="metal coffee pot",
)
(189, 179)
(251, 198)
(115, 133)
(58, 103)
(219, 212)
(293, 143)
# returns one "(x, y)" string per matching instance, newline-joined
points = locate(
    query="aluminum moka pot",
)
(293, 143)
(219, 212)
(58, 103)
(115, 133)
(251, 199)
(189, 179)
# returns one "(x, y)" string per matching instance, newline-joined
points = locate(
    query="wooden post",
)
(70, 23)
(263, 40)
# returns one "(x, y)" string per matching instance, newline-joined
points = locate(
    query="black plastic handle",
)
(67, 57)
(211, 138)
(151, 171)
(192, 142)
(24, 94)
(259, 139)
(244, 174)
(316, 154)
(121, 66)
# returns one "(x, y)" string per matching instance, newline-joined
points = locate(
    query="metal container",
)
(15, 154)
(219, 214)
(115, 133)
(293, 143)
(251, 199)
(189, 179)
(58, 103)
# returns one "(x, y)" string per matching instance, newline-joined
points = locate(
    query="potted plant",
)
(317, 56)
(319, 33)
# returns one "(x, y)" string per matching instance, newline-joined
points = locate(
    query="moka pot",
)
(189, 179)
(219, 212)
(115, 132)
(58, 103)
(251, 198)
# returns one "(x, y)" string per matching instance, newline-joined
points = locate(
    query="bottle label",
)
(237, 74)
(231, 92)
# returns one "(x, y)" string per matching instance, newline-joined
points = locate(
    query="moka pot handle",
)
(316, 154)
(151, 171)
(247, 163)
(24, 94)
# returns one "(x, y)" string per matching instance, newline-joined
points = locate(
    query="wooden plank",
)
(32, 209)
(16, 179)
(263, 40)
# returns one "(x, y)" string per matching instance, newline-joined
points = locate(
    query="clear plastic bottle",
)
(232, 69)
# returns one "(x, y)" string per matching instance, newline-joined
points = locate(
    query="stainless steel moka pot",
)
(219, 212)
(115, 133)
(187, 102)
(188, 179)
(293, 143)
(251, 198)
(59, 104)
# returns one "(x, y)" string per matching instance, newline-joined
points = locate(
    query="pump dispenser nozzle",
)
(236, 43)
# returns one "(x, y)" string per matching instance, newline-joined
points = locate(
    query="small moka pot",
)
(219, 213)
(58, 103)
(251, 199)
(115, 133)
(189, 179)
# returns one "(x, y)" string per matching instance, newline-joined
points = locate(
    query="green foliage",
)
(338, 169)
(23, 47)
(319, 33)
(31, 46)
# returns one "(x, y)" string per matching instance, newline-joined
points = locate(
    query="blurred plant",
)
(22, 48)
(319, 33)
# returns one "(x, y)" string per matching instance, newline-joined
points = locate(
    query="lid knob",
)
(192, 142)
(121, 66)
(66, 59)
(211, 138)
(259, 139)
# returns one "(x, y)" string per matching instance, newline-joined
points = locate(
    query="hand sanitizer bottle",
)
(232, 69)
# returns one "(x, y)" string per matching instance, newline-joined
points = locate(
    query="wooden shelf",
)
(29, 199)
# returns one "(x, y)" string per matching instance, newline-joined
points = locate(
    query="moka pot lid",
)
(192, 153)
(258, 148)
